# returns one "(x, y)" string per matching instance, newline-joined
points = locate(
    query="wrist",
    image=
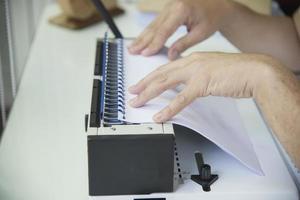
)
(270, 77)
(229, 8)
(236, 15)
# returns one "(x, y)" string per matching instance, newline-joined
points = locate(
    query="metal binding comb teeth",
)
(113, 79)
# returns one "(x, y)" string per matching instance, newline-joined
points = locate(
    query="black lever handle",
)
(107, 17)
(205, 178)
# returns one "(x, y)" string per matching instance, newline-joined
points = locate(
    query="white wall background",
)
(18, 22)
(25, 18)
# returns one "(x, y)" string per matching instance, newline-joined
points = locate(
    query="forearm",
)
(255, 33)
(278, 97)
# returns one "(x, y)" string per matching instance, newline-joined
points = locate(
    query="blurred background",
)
(18, 22)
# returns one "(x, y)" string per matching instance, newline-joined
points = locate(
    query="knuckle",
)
(162, 77)
(181, 99)
(144, 95)
(180, 46)
(162, 33)
(139, 44)
(154, 45)
(144, 39)
(151, 30)
(160, 69)
(168, 110)
(180, 6)
(151, 26)
(150, 91)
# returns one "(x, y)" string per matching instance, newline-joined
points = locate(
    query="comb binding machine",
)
(123, 158)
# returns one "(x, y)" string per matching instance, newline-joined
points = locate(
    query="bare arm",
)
(275, 89)
(279, 100)
(253, 32)
(248, 30)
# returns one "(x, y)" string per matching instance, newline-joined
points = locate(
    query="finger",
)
(141, 43)
(162, 33)
(184, 43)
(138, 44)
(142, 84)
(184, 98)
(158, 86)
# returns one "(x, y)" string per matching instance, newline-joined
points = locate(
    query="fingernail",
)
(132, 44)
(135, 89)
(158, 117)
(132, 88)
(173, 55)
(133, 102)
(146, 52)
(131, 50)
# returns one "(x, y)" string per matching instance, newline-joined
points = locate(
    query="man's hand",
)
(203, 74)
(201, 17)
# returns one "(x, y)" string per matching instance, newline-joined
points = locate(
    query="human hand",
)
(203, 74)
(201, 17)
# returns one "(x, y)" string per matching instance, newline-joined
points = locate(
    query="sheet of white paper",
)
(216, 118)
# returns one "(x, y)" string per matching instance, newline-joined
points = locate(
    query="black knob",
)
(205, 178)
(205, 172)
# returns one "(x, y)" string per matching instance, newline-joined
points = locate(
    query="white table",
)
(43, 152)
